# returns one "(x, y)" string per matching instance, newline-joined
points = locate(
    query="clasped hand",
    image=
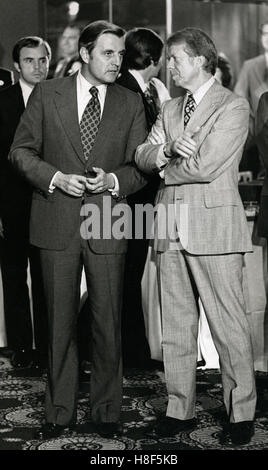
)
(76, 185)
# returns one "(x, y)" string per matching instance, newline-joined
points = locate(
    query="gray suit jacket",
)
(261, 130)
(48, 139)
(210, 218)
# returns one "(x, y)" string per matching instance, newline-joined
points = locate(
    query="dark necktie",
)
(189, 108)
(152, 100)
(89, 123)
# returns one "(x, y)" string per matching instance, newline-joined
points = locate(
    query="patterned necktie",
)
(89, 123)
(189, 108)
(153, 107)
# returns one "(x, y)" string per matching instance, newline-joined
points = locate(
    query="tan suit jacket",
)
(207, 183)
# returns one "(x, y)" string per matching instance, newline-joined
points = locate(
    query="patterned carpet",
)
(21, 413)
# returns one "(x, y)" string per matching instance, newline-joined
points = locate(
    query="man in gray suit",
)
(196, 145)
(252, 81)
(76, 144)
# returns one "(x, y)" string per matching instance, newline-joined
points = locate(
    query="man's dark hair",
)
(142, 47)
(29, 41)
(92, 31)
(197, 43)
(226, 71)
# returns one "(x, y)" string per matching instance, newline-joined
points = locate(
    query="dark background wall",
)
(19, 18)
(233, 25)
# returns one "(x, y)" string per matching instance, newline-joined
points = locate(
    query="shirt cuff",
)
(115, 190)
(161, 159)
(52, 186)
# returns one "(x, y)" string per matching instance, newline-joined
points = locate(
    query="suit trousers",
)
(62, 276)
(218, 279)
(15, 254)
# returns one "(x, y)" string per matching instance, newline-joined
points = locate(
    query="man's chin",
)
(177, 82)
(111, 80)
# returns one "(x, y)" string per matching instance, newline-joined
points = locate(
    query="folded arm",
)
(217, 151)
(213, 153)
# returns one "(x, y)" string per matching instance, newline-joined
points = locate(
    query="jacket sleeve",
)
(262, 129)
(26, 150)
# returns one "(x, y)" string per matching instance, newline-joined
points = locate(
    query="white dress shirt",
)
(162, 91)
(83, 97)
(142, 84)
(26, 90)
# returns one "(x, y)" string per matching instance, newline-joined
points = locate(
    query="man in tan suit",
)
(196, 145)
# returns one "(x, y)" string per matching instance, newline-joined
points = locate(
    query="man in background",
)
(69, 61)
(141, 66)
(252, 82)
(31, 56)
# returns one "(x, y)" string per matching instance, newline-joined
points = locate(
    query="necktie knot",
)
(94, 92)
(190, 106)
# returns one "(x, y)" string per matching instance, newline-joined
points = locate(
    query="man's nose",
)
(36, 65)
(117, 59)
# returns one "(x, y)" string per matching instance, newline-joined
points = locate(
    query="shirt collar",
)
(136, 74)
(26, 90)
(199, 94)
(84, 87)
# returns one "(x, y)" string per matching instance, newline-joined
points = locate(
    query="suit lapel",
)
(66, 104)
(206, 107)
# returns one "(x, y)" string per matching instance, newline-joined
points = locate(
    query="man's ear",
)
(17, 66)
(84, 54)
(201, 61)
